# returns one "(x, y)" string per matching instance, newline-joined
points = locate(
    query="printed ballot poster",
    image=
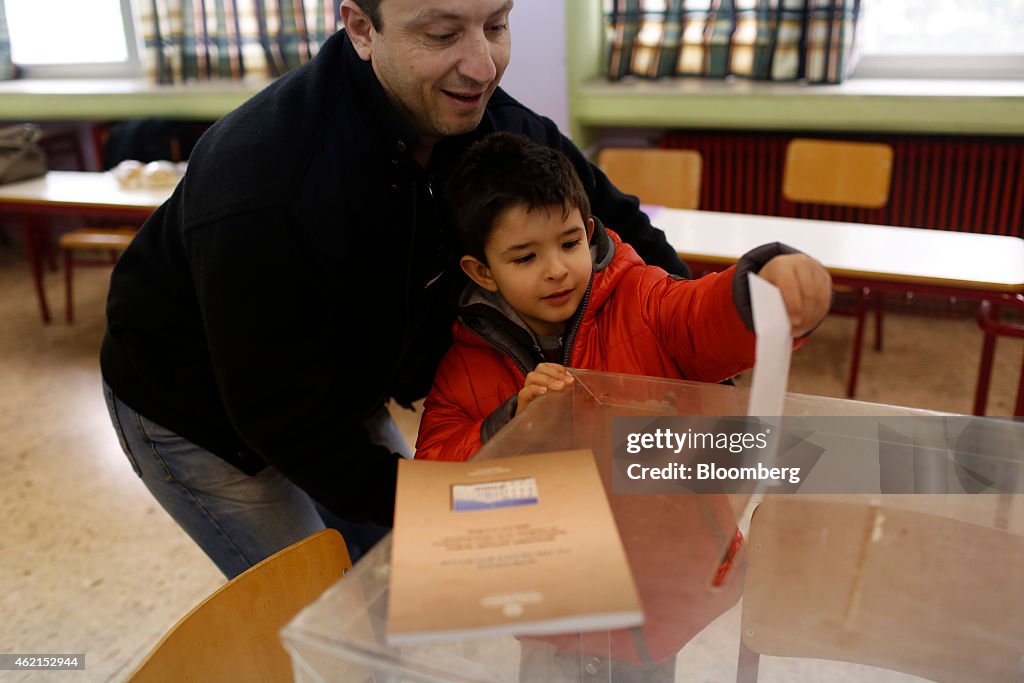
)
(523, 545)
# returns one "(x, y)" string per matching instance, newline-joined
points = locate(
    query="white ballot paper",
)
(774, 347)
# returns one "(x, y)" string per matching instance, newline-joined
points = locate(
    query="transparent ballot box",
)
(897, 557)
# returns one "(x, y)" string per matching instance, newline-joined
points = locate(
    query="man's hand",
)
(546, 376)
(806, 289)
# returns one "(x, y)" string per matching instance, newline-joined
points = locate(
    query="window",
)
(941, 39)
(73, 38)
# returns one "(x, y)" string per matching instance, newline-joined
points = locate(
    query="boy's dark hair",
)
(505, 170)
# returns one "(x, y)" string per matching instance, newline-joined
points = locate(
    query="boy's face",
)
(539, 262)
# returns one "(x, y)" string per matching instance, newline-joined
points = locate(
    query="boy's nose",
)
(556, 269)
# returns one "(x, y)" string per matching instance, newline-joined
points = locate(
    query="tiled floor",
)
(90, 564)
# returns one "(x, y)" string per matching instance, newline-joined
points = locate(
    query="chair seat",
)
(98, 239)
(112, 240)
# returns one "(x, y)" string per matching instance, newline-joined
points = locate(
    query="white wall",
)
(536, 75)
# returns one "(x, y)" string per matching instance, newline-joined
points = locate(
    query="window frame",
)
(131, 67)
(945, 66)
(952, 65)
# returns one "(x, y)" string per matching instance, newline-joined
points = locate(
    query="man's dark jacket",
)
(289, 285)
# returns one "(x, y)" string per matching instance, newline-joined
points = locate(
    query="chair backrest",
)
(665, 177)
(900, 589)
(233, 634)
(841, 173)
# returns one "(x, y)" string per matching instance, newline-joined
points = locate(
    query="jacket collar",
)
(602, 247)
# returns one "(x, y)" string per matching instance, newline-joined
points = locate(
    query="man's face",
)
(440, 60)
(541, 264)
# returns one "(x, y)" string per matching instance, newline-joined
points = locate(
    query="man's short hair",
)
(505, 170)
(372, 9)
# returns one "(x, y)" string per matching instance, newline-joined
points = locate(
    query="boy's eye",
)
(523, 260)
(572, 244)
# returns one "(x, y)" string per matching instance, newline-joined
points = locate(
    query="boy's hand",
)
(544, 377)
(806, 289)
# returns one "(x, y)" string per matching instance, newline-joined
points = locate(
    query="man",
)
(301, 274)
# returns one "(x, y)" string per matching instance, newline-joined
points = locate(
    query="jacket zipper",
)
(570, 339)
(430, 195)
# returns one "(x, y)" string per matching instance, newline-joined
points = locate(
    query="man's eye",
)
(523, 260)
(441, 37)
(497, 28)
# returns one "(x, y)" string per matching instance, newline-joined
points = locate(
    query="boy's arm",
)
(448, 430)
(707, 324)
(804, 284)
(698, 324)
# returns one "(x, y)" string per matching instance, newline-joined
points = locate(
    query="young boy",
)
(552, 288)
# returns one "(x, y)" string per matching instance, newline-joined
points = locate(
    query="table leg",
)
(1018, 411)
(865, 296)
(48, 247)
(879, 306)
(32, 227)
(988, 349)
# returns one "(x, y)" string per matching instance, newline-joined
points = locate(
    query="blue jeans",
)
(237, 519)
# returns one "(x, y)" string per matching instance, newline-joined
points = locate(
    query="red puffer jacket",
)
(636, 319)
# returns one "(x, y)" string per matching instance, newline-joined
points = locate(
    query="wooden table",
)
(70, 194)
(887, 259)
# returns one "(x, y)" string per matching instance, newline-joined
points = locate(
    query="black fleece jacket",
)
(290, 284)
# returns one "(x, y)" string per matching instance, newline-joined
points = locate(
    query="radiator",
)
(944, 183)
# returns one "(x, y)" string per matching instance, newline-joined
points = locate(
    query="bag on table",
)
(20, 154)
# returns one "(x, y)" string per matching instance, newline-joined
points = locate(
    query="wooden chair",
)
(840, 173)
(110, 240)
(148, 139)
(233, 634)
(900, 589)
(664, 177)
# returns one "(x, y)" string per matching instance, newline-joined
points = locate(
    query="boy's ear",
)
(590, 229)
(359, 28)
(478, 272)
